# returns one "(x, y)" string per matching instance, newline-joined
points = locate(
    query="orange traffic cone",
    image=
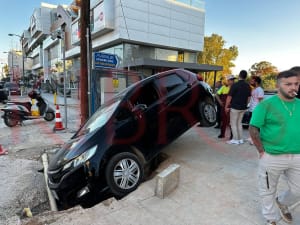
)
(2, 151)
(58, 121)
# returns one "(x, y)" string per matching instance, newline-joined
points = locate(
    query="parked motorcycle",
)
(16, 112)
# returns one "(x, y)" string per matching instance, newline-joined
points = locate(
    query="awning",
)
(145, 62)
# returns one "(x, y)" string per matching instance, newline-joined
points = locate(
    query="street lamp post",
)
(60, 34)
(23, 59)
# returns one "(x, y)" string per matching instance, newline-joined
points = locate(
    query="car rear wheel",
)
(123, 173)
(208, 114)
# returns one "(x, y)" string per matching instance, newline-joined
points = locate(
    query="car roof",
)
(147, 80)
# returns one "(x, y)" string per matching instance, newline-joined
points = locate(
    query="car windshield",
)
(100, 117)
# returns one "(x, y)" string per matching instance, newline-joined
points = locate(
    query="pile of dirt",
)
(21, 186)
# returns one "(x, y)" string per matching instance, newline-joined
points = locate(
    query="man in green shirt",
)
(275, 132)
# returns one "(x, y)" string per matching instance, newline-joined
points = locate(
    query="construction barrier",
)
(2, 151)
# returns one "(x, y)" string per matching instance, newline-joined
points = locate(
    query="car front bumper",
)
(65, 186)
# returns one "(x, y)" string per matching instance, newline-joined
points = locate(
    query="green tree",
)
(263, 68)
(215, 53)
(267, 72)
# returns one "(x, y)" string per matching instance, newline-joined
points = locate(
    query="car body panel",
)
(3, 94)
(142, 119)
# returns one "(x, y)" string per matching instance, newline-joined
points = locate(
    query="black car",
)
(111, 150)
(12, 88)
(3, 94)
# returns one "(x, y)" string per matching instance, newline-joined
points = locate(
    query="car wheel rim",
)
(209, 113)
(126, 173)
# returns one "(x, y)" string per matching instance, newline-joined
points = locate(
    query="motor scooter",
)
(16, 112)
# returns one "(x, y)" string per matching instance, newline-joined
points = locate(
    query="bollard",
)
(54, 96)
(167, 181)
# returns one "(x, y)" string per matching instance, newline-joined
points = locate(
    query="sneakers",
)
(270, 223)
(241, 141)
(284, 212)
(250, 141)
(233, 142)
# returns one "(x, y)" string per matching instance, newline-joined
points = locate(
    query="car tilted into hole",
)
(111, 150)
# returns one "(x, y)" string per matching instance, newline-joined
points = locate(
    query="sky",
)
(263, 30)
(15, 18)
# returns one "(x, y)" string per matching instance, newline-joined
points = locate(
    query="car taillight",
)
(199, 77)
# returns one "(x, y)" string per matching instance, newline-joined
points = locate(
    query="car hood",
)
(70, 150)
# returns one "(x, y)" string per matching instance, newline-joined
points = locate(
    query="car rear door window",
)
(171, 82)
(146, 95)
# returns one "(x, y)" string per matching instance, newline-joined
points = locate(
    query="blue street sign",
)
(105, 60)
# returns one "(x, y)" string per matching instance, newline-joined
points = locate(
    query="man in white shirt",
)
(257, 95)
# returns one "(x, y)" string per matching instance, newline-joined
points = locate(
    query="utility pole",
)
(84, 24)
(63, 45)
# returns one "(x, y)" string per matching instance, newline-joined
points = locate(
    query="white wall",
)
(158, 22)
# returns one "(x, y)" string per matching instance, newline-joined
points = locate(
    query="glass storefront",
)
(128, 53)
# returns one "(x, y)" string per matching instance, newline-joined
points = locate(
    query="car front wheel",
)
(208, 114)
(124, 172)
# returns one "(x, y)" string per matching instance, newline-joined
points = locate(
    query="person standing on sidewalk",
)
(218, 86)
(275, 134)
(221, 96)
(296, 69)
(257, 95)
(236, 103)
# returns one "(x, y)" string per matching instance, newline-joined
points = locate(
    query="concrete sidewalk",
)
(217, 187)
(73, 102)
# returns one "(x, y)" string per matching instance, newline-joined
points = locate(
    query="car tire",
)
(49, 116)
(208, 113)
(124, 172)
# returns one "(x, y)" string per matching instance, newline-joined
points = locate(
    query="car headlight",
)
(81, 159)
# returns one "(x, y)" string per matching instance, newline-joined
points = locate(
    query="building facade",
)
(148, 36)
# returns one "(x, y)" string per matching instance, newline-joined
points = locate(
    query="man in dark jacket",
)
(236, 103)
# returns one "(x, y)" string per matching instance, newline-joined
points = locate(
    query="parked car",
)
(247, 114)
(3, 94)
(12, 88)
(113, 147)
